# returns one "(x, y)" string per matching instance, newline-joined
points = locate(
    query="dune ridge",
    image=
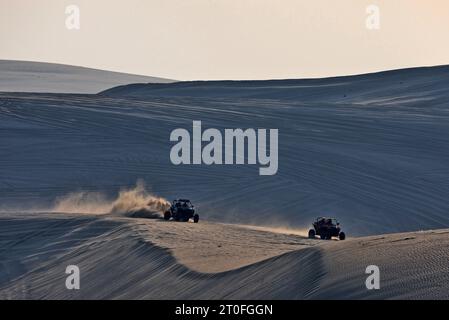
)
(118, 262)
(28, 76)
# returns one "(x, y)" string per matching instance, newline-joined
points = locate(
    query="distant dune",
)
(381, 87)
(26, 76)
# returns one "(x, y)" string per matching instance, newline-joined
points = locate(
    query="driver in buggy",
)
(325, 222)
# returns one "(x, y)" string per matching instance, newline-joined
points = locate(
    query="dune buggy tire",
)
(167, 215)
(322, 236)
(341, 236)
(312, 234)
(196, 218)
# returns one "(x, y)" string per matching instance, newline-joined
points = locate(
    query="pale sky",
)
(228, 39)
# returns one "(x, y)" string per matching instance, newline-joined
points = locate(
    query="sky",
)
(229, 39)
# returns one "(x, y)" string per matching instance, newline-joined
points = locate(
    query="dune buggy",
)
(326, 228)
(181, 210)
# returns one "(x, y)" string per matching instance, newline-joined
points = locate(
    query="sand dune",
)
(126, 258)
(27, 76)
(378, 164)
(381, 88)
(370, 150)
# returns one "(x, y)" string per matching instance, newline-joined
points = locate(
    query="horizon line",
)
(230, 80)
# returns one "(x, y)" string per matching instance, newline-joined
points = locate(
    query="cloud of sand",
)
(139, 202)
(82, 202)
(134, 202)
(303, 232)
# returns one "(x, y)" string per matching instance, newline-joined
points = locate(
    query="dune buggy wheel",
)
(196, 218)
(322, 236)
(311, 233)
(342, 236)
(167, 215)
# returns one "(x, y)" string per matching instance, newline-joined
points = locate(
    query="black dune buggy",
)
(326, 228)
(181, 210)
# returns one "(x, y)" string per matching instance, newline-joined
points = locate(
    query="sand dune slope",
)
(117, 260)
(370, 150)
(384, 88)
(412, 266)
(27, 76)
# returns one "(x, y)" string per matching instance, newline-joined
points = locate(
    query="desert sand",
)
(370, 150)
(28, 76)
(133, 258)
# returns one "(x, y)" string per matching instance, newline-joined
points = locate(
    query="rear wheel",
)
(167, 215)
(196, 218)
(311, 233)
(322, 236)
(342, 236)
